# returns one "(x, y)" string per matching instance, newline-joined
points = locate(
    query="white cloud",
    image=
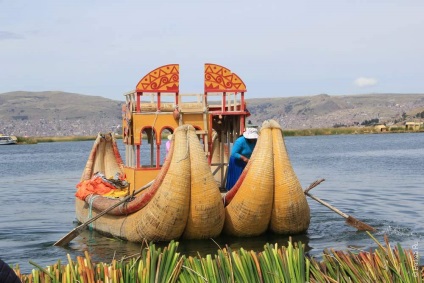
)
(365, 82)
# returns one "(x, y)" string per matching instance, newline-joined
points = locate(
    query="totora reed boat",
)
(181, 195)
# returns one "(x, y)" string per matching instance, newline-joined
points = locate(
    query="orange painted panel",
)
(162, 79)
(219, 78)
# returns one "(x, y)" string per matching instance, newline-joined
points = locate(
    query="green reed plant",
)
(383, 265)
(273, 264)
(26, 140)
(329, 131)
(34, 140)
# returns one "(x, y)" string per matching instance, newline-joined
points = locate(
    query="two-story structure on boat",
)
(176, 194)
(156, 107)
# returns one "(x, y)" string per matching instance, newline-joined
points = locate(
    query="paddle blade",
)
(361, 226)
(68, 237)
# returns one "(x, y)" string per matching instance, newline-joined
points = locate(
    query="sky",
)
(278, 48)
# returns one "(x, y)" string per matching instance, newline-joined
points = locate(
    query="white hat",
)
(251, 133)
(170, 137)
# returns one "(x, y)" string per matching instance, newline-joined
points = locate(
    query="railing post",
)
(158, 102)
(224, 101)
(138, 102)
(137, 158)
(157, 155)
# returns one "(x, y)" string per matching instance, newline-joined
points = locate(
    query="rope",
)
(153, 125)
(156, 117)
(90, 209)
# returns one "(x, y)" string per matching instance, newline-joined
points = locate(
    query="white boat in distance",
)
(4, 140)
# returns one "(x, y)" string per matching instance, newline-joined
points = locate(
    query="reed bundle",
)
(249, 212)
(268, 194)
(104, 158)
(273, 264)
(206, 213)
(165, 216)
(290, 211)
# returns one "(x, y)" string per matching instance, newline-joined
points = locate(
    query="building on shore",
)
(413, 126)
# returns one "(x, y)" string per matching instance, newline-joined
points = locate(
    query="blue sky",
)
(279, 48)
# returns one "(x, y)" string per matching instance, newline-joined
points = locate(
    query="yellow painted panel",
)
(159, 122)
(138, 177)
(196, 120)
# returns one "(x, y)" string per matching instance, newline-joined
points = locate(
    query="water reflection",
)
(104, 248)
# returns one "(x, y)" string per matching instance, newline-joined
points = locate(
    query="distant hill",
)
(54, 113)
(323, 111)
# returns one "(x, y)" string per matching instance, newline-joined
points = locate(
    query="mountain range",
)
(56, 113)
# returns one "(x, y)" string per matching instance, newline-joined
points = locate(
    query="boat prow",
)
(175, 204)
(268, 193)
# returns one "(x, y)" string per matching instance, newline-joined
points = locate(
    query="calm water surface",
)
(378, 179)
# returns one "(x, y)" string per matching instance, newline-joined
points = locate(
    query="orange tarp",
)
(97, 185)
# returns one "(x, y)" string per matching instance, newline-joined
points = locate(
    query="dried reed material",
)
(116, 153)
(290, 212)
(110, 162)
(249, 212)
(114, 222)
(152, 107)
(99, 158)
(164, 217)
(206, 216)
(104, 157)
(88, 169)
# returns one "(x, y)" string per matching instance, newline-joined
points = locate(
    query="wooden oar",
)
(350, 220)
(77, 230)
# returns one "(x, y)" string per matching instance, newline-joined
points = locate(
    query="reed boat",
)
(182, 194)
(184, 199)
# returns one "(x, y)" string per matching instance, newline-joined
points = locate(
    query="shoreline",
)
(286, 133)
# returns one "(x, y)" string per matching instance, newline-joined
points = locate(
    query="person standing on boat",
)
(240, 155)
(168, 143)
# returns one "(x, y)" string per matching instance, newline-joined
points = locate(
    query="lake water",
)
(376, 178)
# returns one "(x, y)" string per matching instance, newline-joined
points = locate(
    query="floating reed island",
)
(274, 264)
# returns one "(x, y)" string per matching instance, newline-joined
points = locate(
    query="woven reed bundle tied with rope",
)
(164, 217)
(206, 215)
(104, 158)
(290, 212)
(268, 192)
(249, 212)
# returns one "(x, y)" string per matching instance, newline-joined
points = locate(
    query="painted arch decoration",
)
(162, 79)
(219, 78)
